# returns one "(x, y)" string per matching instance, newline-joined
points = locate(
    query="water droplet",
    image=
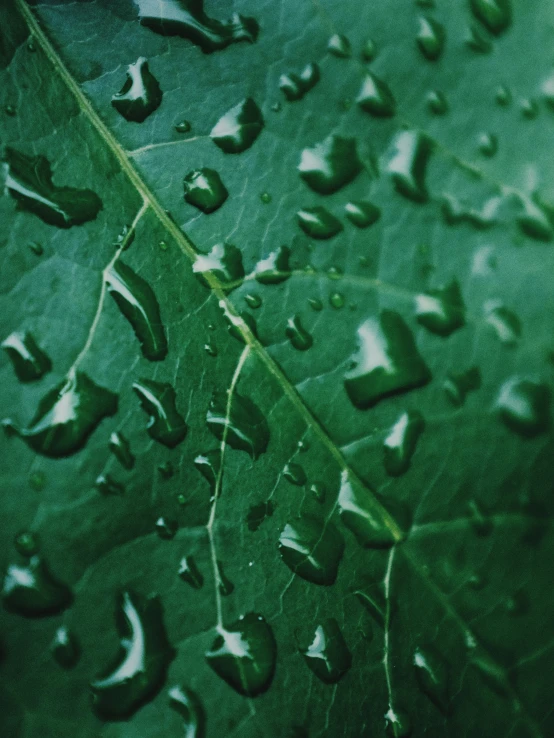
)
(66, 416)
(107, 485)
(397, 723)
(363, 515)
(166, 528)
(506, 324)
(298, 336)
(328, 655)
(29, 360)
(369, 51)
(265, 197)
(30, 589)
(318, 222)
(400, 444)
(237, 130)
(65, 649)
(480, 522)
(295, 86)
(166, 470)
(430, 37)
(503, 96)
(477, 41)
(312, 549)
(258, 513)
(240, 421)
(188, 20)
(315, 304)
(488, 144)
(223, 261)
(190, 573)
(373, 600)
(524, 406)
(244, 655)
(205, 190)
(157, 399)
(532, 219)
(26, 543)
(210, 348)
(238, 325)
(253, 300)
(10, 110)
(362, 213)
(295, 474)
(375, 97)
(274, 268)
(529, 109)
(408, 163)
(224, 584)
(455, 211)
(495, 15)
(339, 45)
(386, 362)
(121, 449)
(125, 238)
(458, 384)
(319, 491)
(141, 664)
(29, 181)
(437, 103)
(208, 465)
(187, 704)
(330, 164)
(432, 676)
(140, 95)
(183, 126)
(138, 303)
(336, 300)
(442, 310)
(36, 248)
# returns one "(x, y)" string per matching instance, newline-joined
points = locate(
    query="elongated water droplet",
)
(442, 310)
(387, 361)
(237, 130)
(107, 485)
(186, 18)
(319, 491)
(244, 655)
(488, 144)
(253, 300)
(121, 449)
(328, 655)
(30, 589)
(298, 336)
(29, 360)
(456, 211)
(495, 15)
(363, 515)
(408, 163)
(224, 584)
(65, 649)
(205, 190)
(432, 676)
(166, 528)
(190, 573)
(401, 442)
(331, 164)
(66, 416)
(458, 384)
(437, 103)
(533, 220)
(506, 324)
(29, 181)
(208, 465)
(477, 41)
(189, 707)
(295, 474)
(141, 665)
(362, 213)
(158, 399)
(339, 45)
(223, 261)
(239, 324)
(312, 549)
(430, 37)
(274, 268)
(375, 97)
(373, 599)
(318, 222)
(524, 406)
(258, 513)
(397, 723)
(295, 86)
(141, 93)
(239, 421)
(138, 303)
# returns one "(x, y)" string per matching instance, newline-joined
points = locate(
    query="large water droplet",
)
(29, 360)
(275, 268)
(328, 655)
(524, 406)
(205, 190)
(375, 97)
(312, 548)
(244, 654)
(318, 222)
(458, 384)
(506, 324)
(298, 336)
(432, 676)
(237, 130)
(239, 421)
(64, 648)
(141, 93)
(187, 704)
(496, 15)
(157, 399)
(30, 589)
(121, 449)
(362, 213)
(137, 301)
(190, 573)
(66, 416)
(441, 311)
(208, 465)
(329, 165)
(223, 261)
(401, 442)
(295, 86)
(363, 515)
(430, 37)
(386, 362)
(29, 181)
(141, 664)
(408, 163)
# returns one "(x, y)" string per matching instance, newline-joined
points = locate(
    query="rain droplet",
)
(253, 300)
(328, 655)
(295, 86)
(330, 164)
(408, 163)
(157, 399)
(224, 584)
(295, 474)
(442, 310)
(437, 103)
(65, 649)
(205, 190)
(237, 130)
(524, 406)
(140, 95)
(372, 598)
(477, 41)
(401, 442)
(121, 449)
(223, 261)
(190, 573)
(432, 676)
(363, 515)
(362, 213)
(529, 109)
(318, 222)
(107, 485)
(183, 126)
(26, 543)
(458, 384)
(319, 491)
(397, 723)
(375, 97)
(166, 528)
(298, 336)
(166, 470)
(533, 220)
(187, 704)
(31, 590)
(29, 360)
(488, 144)
(430, 38)
(495, 15)
(503, 96)
(336, 300)
(36, 248)
(315, 304)
(312, 549)
(369, 51)
(208, 465)
(265, 197)
(339, 45)
(10, 110)
(506, 324)
(274, 268)
(239, 421)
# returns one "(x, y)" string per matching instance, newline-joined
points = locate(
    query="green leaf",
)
(295, 478)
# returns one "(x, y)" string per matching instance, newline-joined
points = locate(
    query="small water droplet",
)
(166, 470)
(158, 399)
(224, 584)
(295, 474)
(319, 491)
(375, 97)
(523, 405)
(298, 336)
(315, 304)
(26, 543)
(10, 110)
(265, 197)
(369, 51)
(363, 515)
(437, 103)
(31, 44)
(328, 655)
(532, 219)
(239, 421)
(36, 248)
(458, 384)
(397, 723)
(312, 548)
(503, 96)
(477, 41)
(166, 528)
(208, 465)
(121, 449)
(140, 667)
(183, 126)
(318, 222)
(205, 190)
(187, 704)
(210, 348)
(29, 361)
(295, 86)
(107, 485)
(140, 95)
(432, 676)
(330, 164)
(274, 268)
(495, 15)
(30, 589)
(487, 144)
(442, 310)
(336, 300)
(529, 108)
(190, 573)
(400, 444)
(362, 213)
(64, 648)
(258, 513)
(237, 130)
(338, 45)
(253, 300)
(408, 163)
(430, 37)
(505, 323)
